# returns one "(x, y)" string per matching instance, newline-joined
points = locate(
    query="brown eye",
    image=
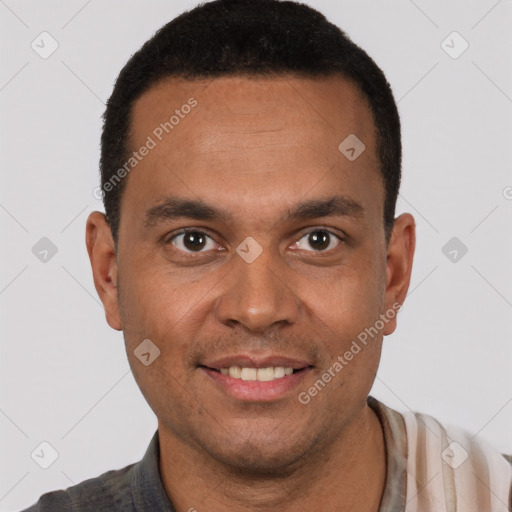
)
(319, 240)
(192, 241)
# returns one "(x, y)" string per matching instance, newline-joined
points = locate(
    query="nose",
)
(257, 295)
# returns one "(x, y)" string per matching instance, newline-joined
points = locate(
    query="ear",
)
(102, 254)
(400, 255)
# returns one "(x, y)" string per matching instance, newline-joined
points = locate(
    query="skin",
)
(256, 147)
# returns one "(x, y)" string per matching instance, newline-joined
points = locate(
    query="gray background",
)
(64, 373)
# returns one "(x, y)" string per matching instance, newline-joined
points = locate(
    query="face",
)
(248, 239)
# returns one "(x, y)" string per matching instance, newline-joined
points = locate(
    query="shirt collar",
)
(147, 488)
(149, 493)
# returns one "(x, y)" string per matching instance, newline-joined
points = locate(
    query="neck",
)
(345, 475)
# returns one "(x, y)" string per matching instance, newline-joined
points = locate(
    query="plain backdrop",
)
(64, 373)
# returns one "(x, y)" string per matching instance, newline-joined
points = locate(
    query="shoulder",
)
(448, 464)
(109, 491)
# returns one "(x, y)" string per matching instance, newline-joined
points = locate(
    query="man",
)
(250, 254)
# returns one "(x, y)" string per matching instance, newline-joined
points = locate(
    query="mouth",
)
(256, 380)
(249, 373)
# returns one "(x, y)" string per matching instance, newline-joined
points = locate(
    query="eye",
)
(192, 241)
(320, 240)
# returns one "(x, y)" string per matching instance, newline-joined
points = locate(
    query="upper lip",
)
(252, 361)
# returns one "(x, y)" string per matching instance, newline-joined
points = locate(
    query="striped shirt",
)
(432, 468)
(429, 468)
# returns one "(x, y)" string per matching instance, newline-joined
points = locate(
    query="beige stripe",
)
(473, 477)
(450, 493)
(395, 438)
(430, 480)
(411, 426)
(419, 479)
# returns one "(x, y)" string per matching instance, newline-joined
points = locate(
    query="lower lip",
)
(255, 390)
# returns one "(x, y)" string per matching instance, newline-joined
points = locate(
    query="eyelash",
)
(192, 254)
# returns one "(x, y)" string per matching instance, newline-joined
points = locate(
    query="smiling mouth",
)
(260, 374)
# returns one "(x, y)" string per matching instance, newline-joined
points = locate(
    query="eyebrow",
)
(173, 208)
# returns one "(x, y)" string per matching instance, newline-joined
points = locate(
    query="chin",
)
(258, 455)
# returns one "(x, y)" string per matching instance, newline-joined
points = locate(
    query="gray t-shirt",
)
(137, 487)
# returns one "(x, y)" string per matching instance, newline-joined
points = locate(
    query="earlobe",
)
(102, 255)
(400, 257)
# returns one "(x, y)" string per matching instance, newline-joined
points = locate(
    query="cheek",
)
(150, 298)
(353, 298)
(349, 315)
(153, 308)
(167, 307)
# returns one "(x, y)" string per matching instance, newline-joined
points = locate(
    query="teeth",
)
(266, 374)
(261, 374)
(235, 372)
(249, 374)
(280, 372)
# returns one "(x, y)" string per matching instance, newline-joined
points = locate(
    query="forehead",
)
(249, 105)
(252, 137)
